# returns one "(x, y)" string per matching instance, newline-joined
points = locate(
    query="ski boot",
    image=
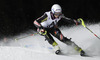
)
(56, 48)
(82, 53)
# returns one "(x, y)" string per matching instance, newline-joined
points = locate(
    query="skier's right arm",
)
(37, 22)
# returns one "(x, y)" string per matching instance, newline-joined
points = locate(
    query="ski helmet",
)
(56, 8)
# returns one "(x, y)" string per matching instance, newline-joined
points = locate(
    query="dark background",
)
(17, 16)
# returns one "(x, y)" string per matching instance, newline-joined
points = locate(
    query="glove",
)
(77, 22)
(42, 31)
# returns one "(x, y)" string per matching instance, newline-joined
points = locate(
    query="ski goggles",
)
(57, 13)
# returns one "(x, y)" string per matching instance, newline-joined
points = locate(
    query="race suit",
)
(49, 23)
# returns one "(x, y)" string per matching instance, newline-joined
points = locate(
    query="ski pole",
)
(80, 19)
(25, 36)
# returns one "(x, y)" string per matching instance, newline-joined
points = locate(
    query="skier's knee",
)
(67, 41)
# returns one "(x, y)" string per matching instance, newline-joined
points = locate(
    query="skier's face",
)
(57, 14)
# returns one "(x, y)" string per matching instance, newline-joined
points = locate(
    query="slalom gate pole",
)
(16, 39)
(80, 19)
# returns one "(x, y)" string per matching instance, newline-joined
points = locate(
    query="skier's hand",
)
(76, 22)
(42, 31)
(79, 20)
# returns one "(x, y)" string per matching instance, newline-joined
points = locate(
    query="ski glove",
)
(42, 31)
(77, 22)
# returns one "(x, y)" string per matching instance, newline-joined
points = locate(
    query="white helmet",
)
(56, 8)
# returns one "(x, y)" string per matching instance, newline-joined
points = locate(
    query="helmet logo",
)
(58, 10)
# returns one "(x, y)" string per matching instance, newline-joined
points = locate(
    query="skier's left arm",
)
(69, 19)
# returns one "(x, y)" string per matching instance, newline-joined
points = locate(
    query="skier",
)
(47, 25)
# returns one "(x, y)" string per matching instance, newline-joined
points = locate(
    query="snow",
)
(36, 48)
(18, 53)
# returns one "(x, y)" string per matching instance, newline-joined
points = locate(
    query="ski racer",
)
(47, 26)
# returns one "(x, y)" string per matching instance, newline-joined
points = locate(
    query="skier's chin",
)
(56, 16)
